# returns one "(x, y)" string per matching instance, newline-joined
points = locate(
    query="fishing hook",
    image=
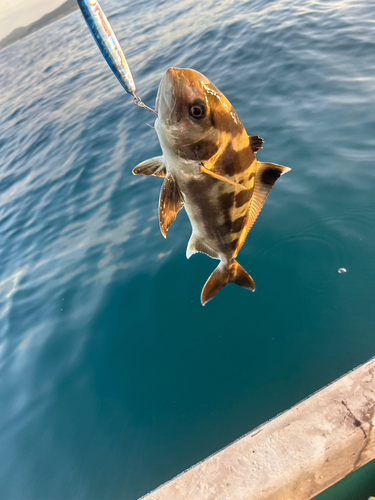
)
(138, 102)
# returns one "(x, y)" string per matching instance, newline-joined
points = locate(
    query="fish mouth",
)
(168, 97)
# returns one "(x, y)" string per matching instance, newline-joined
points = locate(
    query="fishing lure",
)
(110, 48)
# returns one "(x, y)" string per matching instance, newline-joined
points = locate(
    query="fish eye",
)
(198, 110)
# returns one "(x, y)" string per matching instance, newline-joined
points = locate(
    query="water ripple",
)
(100, 322)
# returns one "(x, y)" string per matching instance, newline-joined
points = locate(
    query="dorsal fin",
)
(256, 143)
(196, 245)
(170, 203)
(265, 178)
(153, 166)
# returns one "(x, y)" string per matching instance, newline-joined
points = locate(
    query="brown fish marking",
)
(202, 150)
(210, 166)
(232, 162)
(215, 202)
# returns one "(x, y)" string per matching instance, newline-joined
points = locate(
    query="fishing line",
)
(138, 102)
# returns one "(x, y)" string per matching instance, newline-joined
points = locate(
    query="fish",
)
(209, 167)
(107, 42)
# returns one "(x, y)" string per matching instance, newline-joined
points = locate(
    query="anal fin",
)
(153, 166)
(197, 245)
(170, 203)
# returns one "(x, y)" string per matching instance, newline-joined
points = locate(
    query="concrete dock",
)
(295, 456)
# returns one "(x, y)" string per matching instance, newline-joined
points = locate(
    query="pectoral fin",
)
(170, 203)
(196, 245)
(219, 177)
(265, 178)
(154, 166)
(256, 143)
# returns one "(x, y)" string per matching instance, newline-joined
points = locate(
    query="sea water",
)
(113, 377)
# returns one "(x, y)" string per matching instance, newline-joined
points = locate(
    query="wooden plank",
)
(295, 456)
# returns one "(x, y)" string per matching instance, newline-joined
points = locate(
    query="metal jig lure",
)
(110, 48)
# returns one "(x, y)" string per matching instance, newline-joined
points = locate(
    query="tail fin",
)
(230, 272)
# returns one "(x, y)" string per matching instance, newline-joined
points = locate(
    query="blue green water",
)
(360, 485)
(113, 378)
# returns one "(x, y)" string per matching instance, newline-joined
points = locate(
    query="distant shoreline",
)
(66, 8)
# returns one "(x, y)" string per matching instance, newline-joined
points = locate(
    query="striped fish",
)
(210, 168)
